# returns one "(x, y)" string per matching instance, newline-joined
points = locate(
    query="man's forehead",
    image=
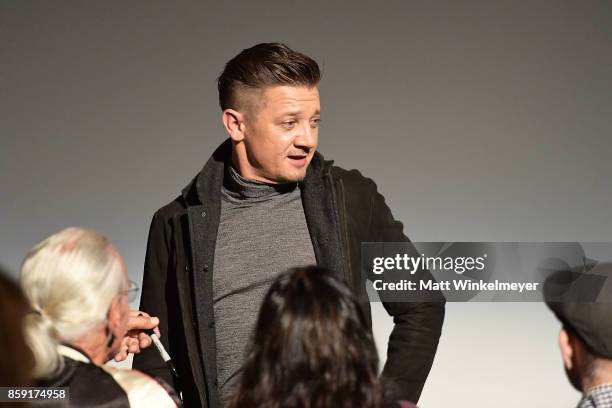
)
(282, 99)
(286, 94)
(294, 99)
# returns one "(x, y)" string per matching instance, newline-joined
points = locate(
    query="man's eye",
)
(289, 124)
(315, 123)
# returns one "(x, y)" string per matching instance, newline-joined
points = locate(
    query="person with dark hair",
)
(267, 201)
(311, 347)
(585, 339)
(16, 359)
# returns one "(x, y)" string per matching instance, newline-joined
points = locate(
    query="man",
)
(264, 202)
(77, 288)
(585, 341)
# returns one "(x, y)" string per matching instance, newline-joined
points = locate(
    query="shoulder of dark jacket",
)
(191, 194)
(353, 180)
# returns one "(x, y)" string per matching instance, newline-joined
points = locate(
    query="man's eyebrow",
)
(291, 113)
(297, 113)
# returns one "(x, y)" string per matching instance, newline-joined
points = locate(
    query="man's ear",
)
(115, 315)
(567, 349)
(233, 121)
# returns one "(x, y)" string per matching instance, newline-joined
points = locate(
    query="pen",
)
(162, 351)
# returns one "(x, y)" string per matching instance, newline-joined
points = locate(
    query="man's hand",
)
(136, 338)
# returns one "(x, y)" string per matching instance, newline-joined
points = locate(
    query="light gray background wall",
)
(478, 120)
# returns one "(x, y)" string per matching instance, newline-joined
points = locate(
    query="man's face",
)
(281, 138)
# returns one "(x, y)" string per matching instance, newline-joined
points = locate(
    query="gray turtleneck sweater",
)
(262, 232)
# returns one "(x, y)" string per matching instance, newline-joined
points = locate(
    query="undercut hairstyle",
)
(311, 348)
(262, 66)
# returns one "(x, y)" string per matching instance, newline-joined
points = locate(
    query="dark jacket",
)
(93, 386)
(342, 209)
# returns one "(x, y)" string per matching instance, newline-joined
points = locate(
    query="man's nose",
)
(306, 137)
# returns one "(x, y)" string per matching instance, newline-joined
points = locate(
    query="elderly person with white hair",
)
(77, 286)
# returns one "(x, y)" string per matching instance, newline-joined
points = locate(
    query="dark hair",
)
(265, 65)
(16, 359)
(311, 347)
(591, 358)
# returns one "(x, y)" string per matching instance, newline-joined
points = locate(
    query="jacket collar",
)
(205, 187)
(73, 352)
(202, 197)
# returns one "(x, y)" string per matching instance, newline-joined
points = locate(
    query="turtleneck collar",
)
(242, 188)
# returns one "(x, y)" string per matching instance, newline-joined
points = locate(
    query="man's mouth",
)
(298, 159)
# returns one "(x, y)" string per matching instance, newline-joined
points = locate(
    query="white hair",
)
(70, 279)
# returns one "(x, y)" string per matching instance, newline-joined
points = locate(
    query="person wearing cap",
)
(585, 339)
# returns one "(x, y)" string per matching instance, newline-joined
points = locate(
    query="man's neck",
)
(602, 375)
(94, 345)
(240, 164)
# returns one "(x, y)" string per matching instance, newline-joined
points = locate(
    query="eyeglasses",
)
(131, 291)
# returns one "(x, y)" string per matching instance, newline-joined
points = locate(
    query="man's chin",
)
(291, 177)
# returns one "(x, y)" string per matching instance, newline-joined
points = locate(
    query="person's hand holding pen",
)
(137, 337)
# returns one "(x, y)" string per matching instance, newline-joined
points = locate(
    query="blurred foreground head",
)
(74, 281)
(16, 360)
(311, 347)
(585, 339)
